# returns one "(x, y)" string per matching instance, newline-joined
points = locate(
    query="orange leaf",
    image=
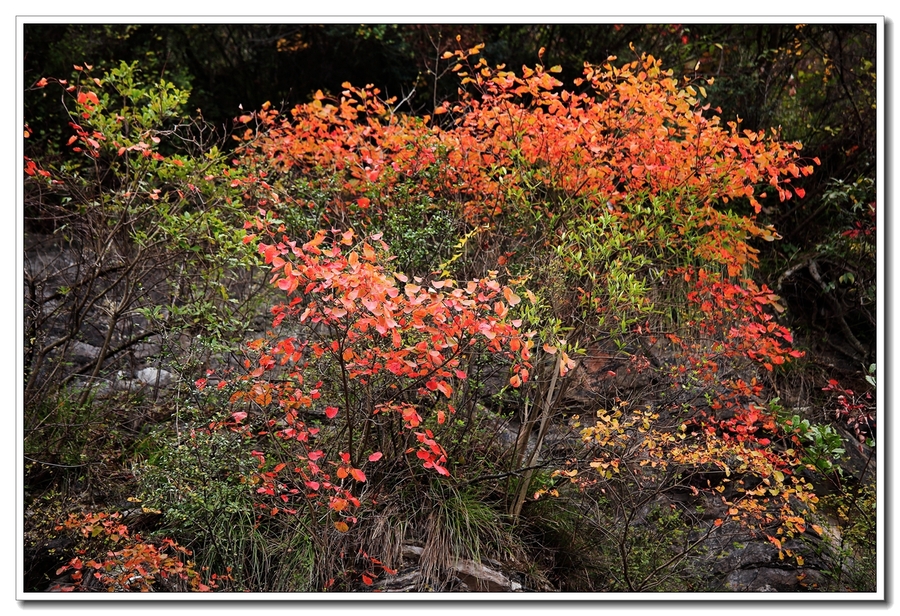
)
(511, 298)
(368, 252)
(444, 388)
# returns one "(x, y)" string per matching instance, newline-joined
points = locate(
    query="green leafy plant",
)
(852, 550)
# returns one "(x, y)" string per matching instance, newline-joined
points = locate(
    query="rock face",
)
(753, 565)
(154, 376)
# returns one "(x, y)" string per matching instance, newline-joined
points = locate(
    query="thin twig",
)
(57, 465)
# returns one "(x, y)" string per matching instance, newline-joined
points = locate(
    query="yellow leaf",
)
(341, 526)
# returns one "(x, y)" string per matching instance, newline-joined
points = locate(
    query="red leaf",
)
(331, 412)
(445, 388)
(366, 580)
(375, 457)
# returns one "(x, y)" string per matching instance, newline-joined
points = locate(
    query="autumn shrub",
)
(621, 210)
(136, 211)
(371, 377)
(533, 162)
(483, 256)
(133, 255)
(123, 561)
(133, 258)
